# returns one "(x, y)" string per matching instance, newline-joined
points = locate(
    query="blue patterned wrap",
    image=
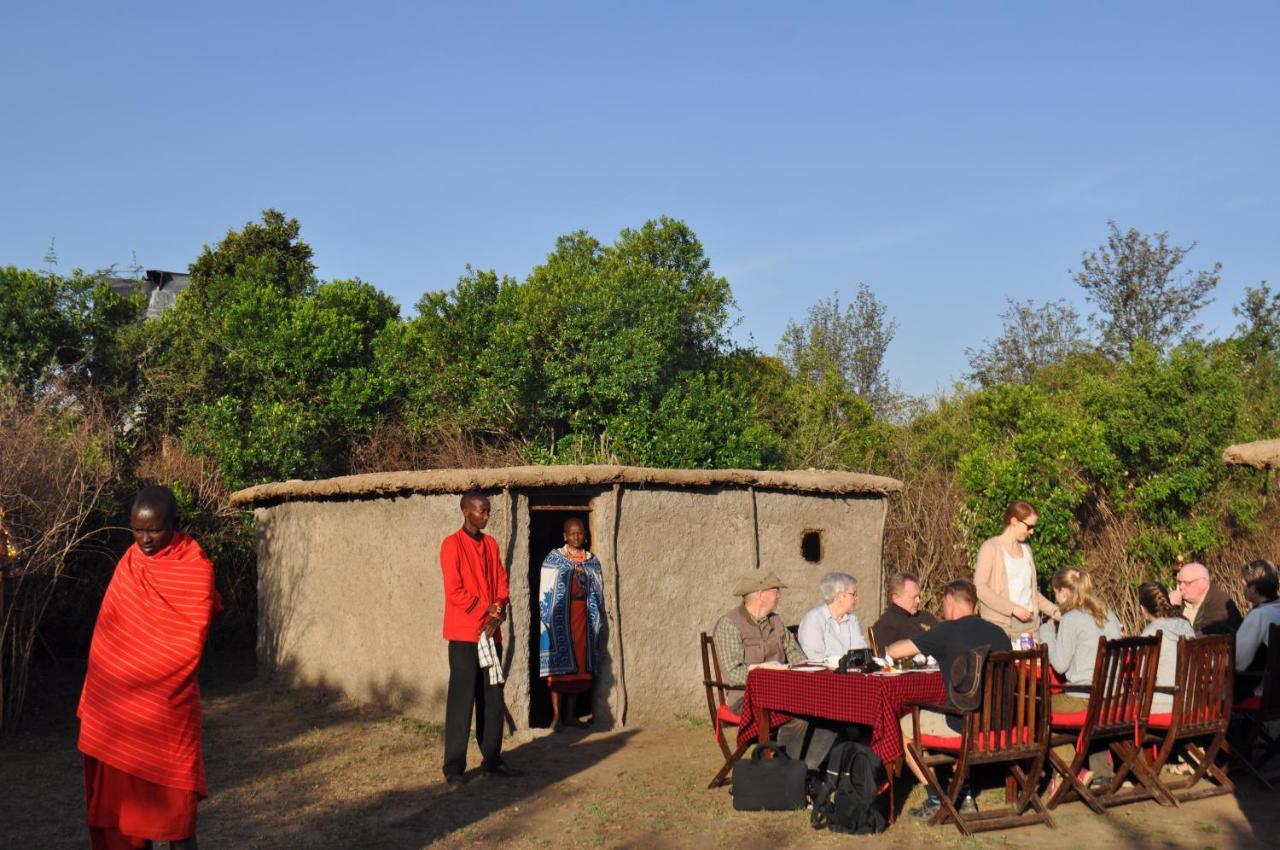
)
(555, 641)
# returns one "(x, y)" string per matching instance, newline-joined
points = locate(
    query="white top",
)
(1022, 578)
(821, 636)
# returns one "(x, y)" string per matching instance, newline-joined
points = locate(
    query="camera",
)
(855, 660)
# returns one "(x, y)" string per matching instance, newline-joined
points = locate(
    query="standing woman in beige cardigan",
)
(1005, 574)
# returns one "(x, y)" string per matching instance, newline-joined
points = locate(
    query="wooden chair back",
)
(1013, 721)
(1010, 727)
(712, 679)
(717, 699)
(1124, 679)
(1203, 694)
(1201, 710)
(872, 643)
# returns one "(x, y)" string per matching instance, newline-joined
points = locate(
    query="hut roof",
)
(1264, 454)
(458, 480)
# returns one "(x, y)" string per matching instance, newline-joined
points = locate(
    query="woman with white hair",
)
(832, 628)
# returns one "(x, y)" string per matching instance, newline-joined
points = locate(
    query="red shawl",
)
(140, 709)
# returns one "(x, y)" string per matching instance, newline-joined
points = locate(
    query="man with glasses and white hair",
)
(1209, 608)
(832, 629)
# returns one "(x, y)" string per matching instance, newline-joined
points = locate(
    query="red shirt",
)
(474, 579)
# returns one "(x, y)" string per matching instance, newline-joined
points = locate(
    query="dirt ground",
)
(301, 768)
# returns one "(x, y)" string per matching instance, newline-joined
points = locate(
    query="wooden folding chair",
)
(1124, 676)
(1257, 711)
(872, 643)
(1011, 727)
(1201, 709)
(717, 707)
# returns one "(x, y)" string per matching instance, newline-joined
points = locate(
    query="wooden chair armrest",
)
(727, 687)
(1165, 689)
(1063, 687)
(941, 709)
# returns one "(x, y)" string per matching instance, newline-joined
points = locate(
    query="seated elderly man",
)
(832, 628)
(961, 631)
(903, 619)
(753, 634)
(1210, 609)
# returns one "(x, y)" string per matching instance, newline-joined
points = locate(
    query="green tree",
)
(851, 343)
(1166, 419)
(1028, 445)
(586, 355)
(72, 327)
(1260, 315)
(1133, 280)
(1033, 337)
(275, 375)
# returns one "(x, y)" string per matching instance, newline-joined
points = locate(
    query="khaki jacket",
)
(994, 602)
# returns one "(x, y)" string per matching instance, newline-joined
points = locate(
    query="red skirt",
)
(580, 682)
(125, 812)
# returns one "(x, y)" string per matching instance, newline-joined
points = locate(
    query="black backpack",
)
(846, 800)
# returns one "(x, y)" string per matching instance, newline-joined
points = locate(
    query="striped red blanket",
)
(140, 708)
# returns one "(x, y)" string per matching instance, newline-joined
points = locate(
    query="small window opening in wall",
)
(811, 545)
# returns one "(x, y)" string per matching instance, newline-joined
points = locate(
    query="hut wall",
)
(350, 599)
(679, 554)
(349, 596)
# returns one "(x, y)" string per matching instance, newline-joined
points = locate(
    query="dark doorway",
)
(546, 532)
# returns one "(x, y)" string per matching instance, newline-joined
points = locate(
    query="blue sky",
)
(949, 155)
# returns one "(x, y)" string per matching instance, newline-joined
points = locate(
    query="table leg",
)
(764, 726)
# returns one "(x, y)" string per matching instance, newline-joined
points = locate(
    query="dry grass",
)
(395, 446)
(305, 767)
(58, 466)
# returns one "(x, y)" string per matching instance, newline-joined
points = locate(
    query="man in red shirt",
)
(475, 606)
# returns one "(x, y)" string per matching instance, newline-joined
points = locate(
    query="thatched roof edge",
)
(1263, 454)
(459, 480)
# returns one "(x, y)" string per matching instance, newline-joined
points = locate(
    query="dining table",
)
(876, 700)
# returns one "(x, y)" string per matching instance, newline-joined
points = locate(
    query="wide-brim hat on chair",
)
(756, 581)
(965, 680)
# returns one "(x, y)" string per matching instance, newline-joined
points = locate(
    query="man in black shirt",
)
(962, 631)
(903, 619)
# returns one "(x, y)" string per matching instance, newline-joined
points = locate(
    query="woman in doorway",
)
(571, 591)
(1005, 575)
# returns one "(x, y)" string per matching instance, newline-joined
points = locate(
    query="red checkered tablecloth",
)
(875, 701)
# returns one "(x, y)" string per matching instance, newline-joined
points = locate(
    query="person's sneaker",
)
(455, 780)
(968, 805)
(925, 810)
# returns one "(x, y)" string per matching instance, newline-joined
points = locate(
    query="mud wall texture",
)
(680, 553)
(349, 596)
(350, 591)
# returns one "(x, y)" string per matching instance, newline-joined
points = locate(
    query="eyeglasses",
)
(1030, 526)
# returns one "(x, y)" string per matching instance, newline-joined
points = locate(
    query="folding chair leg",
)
(1133, 760)
(1071, 782)
(948, 811)
(723, 775)
(1239, 759)
(1028, 795)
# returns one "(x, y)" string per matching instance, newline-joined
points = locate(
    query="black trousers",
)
(469, 690)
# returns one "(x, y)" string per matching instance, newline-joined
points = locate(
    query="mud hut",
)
(1263, 454)
(349, 588)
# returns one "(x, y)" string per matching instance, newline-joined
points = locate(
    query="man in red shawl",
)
(140, 709)
(475, 605)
